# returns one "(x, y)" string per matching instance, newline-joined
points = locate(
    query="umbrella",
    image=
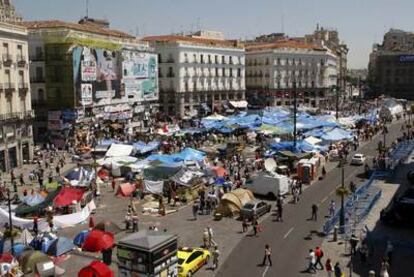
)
(29, 260)
(108, 226)
(96, 269)
(60, 246)
(80, 238)
(98, 240)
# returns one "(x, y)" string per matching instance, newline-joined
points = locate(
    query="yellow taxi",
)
(191, 259)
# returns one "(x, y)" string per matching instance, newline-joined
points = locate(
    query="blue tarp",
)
(142, 147)
(188, 154)
(107, 142)
(80, 238)
(336, 135)
(33, 200)
(301, 146)
(60, 246)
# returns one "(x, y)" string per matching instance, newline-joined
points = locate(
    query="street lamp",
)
(294, 113)
(342, 192)
(10, 222)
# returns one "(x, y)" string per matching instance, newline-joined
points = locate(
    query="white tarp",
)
(20, 222)
(239, 104)
(155, 187)
(67, 220)
(215, 117)
(119, 150)
(312, 140)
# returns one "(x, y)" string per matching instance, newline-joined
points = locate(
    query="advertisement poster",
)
(86, 94)
(101, 69)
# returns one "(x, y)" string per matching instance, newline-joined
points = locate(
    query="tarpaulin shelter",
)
(142, 147)
(186, 177)
(125, 190)
(6, 258)
(96, 269)
(30, 259)
(155, 187)
(33, 200)
(301, 146)
(80, 176)
(336, 134)
(98, 241)
(23, 209)
(160, 172)
(67, 196)
(232, 202)
(188, 154)
(108, 226)
(60, 246)
(80, 238)
(119, 150)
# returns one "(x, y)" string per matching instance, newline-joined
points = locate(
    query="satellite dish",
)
(270, 164)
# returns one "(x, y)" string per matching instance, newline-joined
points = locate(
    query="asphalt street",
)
(291, 239)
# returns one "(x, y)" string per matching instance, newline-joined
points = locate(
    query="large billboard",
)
(107, 77)
(140, 76)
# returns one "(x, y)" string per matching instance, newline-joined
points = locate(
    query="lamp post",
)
(335, 88)
(10, 221)
(294, 113)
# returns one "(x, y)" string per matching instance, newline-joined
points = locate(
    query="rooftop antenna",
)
(87, 8)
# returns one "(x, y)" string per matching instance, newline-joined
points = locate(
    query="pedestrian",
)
(267, 255)
(363, 251)
(210, 236)
(135, 222)
(319, 256)
(312, 261)
(244, 225)
(353, 241)
(127, 221)
(57, 169)
(113, 184)
(216, 254)
(388, 251)
(332, 208)
(195, 210)
(328, 267)
(255, 226)
(314, 212)
(21, 180)
(279, 211)
(338, 270)
(35, 225)
(206, 244)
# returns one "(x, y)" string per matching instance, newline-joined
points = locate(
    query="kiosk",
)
(149, 254)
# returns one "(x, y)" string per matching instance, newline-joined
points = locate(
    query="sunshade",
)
(80, 238)
(108, 226)
(98, 241)
(96, 269)
(60, 246)
(29, 260)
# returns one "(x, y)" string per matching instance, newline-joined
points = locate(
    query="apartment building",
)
(199, 74)
(16, 115)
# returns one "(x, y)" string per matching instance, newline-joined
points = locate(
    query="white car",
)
(358, 159)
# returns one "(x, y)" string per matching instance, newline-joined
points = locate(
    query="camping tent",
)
(60, 246)
(80, 238)
(98, 240)
(67, 196)
(80, 176)
(23, 209)
(96, 269)
(125, 190)
(232, 202)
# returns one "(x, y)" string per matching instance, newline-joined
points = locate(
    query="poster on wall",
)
(86, 94)
(140, 76)
(101, 69)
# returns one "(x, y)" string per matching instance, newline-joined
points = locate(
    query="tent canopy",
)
(125, 190)
(96, 269)
(98, 241)
(60, 246)
(232, 202)
(119, 150)
(67, 196)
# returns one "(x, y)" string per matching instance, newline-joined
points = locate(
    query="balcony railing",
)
(7, 59)
(9, 87)
(23, 87)
(17, 116)
(21, 60)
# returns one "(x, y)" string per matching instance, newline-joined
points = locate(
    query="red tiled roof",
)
(282, 44)
(86, 27)
(194, 40)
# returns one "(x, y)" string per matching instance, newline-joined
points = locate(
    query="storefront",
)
(12, 157)
(150, 254)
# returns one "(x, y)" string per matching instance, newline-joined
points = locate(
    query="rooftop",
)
(195, 40)
(293, 44)
(85, 27)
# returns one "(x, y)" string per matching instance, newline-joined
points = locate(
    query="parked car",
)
(257, 207)
(358, 159)
(191, 259)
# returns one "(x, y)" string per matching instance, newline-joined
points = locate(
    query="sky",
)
(360, 23)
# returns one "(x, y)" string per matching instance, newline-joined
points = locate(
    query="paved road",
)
(291, 240)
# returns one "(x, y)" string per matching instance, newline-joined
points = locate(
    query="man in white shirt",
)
(312, 261)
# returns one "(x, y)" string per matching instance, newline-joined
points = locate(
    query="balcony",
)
(9, 87)
(169, 60)
(39, 79)
(23, 87)
(7, 59)
(10, 117)
(21, 60)
(39, 57)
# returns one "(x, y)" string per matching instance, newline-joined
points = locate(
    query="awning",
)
(242, 104)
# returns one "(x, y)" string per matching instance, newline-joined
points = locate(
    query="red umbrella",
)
(96, 269)
(98, 241)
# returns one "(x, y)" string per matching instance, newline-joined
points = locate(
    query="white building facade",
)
(272, 71)
(16, 114)
(198, 75)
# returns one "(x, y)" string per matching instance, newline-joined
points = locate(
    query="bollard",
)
(335, 233)
(371, 273)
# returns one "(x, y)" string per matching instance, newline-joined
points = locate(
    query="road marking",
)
(323, 200)
(265, 271)
(287, 234)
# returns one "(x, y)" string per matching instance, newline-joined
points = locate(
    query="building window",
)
(217, 71)
(231, 60)
(202, 58)
(231, 72)
(223, 61)
(209, 58)
(159, 56)
(23, 104)
(216, 59)
(238, 72)
(9, 104)
(223, 72)
(185, 58)
(195, 58)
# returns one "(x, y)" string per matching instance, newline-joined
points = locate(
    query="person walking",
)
(267, 255)
(332, 208)
(329, 267)
(255, 226)
(338, 270)
(211, 241)
(195, 210)
(319, 256)
(216, 254)
(279, 211)
(314, 212)
(312, 261)
(244, 225)
(206, 244)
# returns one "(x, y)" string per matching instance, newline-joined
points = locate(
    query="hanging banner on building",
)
(88, 66)
(86, 94)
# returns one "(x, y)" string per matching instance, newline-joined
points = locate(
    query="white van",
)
(269, 185)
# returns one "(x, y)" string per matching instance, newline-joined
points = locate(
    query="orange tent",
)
(219, 171)
(125, 190)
